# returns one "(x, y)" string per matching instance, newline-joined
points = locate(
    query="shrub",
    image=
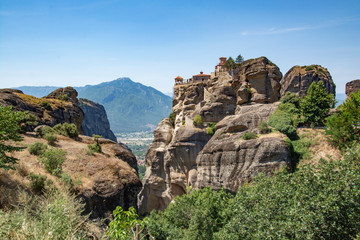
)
(249, 135)
(195, 216)
(282, 121)
(41, 131)
(211, 128)
(37, 182)
(293, 98)
(10, 128)
(45, 105)
(124, 223)
(50, 138)
(53, 160)
(63, 97)
(197, 120)
(67, 179)
(94, 148)
(316, 104)
(172, 117)
(343, 128)
(37, 148)
(183, 122)
(67, 129)
(309, 68)
(264, 128)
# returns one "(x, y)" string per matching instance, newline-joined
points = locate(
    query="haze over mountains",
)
(130, 106)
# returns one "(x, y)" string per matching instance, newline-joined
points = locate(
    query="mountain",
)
(130, 106)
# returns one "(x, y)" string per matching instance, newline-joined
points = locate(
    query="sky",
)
(86, 42)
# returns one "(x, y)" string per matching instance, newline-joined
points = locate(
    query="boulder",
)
(298, 79)
(352, 87)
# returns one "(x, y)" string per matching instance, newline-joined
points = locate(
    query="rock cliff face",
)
(49, 111)
(299, 78)
(186, 155)
(95, 121)
(352, 87)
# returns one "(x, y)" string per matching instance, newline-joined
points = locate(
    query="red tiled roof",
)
(202, 75)
(179, 78)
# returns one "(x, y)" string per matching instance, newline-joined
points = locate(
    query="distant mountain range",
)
(130, 106)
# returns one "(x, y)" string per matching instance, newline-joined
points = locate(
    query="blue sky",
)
(80, 42)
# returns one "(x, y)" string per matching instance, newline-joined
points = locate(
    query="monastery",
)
(203, 77)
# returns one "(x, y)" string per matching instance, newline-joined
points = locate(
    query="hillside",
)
(130, 106)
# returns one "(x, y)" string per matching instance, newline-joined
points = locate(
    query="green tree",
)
(10, 128)
(123, 226)
(230, 64)
(239, 59)
(316, 104)
(343, 128)
(198, 120)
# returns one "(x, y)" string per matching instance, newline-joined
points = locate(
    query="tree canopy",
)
(10, 127)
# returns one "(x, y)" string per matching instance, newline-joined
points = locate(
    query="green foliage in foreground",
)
(55, 215)
(249, 135)
(124, 224)
(9, 130)
(343, 128)
(315, 202)
(37, 148)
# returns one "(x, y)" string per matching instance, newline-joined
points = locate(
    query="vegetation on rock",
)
(198, 120)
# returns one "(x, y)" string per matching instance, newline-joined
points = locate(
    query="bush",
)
(282, 121)
(172, 117)
(197, 120)
(316, 104)
(67, 129)
(264, 128)
(67, 179)
(292, 98)
(343, 128)
(45, 105)
(10, 128)
(249, 135)
(50, 138)
(124, 223)
(63, 97)
(37, 148)
(37, 182)
(211, 128)
(53, 160)
(195, 216)
(41, 131)
(94, 148)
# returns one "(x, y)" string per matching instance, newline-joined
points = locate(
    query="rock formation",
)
(298, 79)
(352, 87)
(95, 121)
(186, 155)
(48, 111)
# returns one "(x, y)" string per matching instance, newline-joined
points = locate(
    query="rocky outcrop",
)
(298, 79)
(111, 178)
(48, 111)
(95, 121)
(352, 87)
(186, 155)
(229, 161)
(68, 93)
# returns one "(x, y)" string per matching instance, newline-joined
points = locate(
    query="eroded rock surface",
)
(352, 87)
(186, 155)
(95, 121)
(49, 111)
(298, 79)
